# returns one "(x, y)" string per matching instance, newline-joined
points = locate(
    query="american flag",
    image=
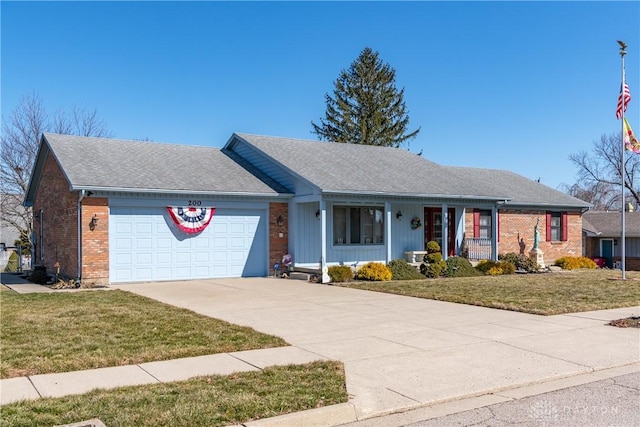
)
(623, 98)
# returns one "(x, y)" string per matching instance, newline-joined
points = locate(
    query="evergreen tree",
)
(367, 108)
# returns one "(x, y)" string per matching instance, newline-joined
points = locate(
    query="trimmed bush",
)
(433, 247)
(574, 262)
(12, 263)
(402, 270)
(495, 268)
(459, 267)
(521, 261)
(374, 271)
(340, 273)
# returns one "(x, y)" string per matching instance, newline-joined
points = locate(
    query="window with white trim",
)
(358, 225)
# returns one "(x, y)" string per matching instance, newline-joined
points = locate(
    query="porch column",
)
(323, 242)
(445, 232)
(387, 226)
(494, 233)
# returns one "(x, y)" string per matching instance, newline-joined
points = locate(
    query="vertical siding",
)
(403, 237)
(306, 234)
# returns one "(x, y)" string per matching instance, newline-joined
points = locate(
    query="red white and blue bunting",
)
(191, 219)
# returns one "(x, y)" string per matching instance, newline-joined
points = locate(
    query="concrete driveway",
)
(402, 352)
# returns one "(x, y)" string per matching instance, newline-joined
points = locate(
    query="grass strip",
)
(203, 401)
(543, 293)
(69, 331)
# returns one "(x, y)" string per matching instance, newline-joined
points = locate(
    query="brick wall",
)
(278, 234)
(58, 222)
(516, 230)
(60, 228)
(95, 240)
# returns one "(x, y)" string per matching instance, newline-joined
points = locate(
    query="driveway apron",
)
(402, 352)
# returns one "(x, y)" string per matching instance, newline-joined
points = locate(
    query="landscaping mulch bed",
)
(628, 322)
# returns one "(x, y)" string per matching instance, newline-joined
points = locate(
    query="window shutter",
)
(498, 225)
(476, 224)
(565, 227)
(548, 239)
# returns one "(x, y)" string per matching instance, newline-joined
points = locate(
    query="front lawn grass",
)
(69, 331)
(203, 401)
(569, 291)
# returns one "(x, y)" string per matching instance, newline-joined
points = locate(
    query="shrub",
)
(402, 270)
(573, 263)
(459, 267)
(39, 275)
(374, 271)
(12, 264)
(340, 273)
(433, 247)
(521, 261)
(495, 268)
(432, 264)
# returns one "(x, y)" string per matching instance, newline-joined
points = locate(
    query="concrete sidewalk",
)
(399, 353)
(79, 382)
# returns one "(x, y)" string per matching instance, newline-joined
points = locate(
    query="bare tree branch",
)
(600, 174)
(19, 145)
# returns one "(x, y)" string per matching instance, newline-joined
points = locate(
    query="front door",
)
(433, 228)
(606, 251)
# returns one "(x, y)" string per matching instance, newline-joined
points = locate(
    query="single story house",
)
(114, 211)
(602, 233)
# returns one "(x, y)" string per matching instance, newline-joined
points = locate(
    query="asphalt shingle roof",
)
(115, 164)
(609, 224)
(345, 168)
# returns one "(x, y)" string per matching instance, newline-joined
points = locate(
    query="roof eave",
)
(165, 191)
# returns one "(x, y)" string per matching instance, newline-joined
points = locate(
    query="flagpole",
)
(623, 52)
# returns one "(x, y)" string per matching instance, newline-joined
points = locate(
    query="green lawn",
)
(68, 331)
(543, 293)
(203, 401)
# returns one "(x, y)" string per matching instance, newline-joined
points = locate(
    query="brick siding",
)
(516, 228)
(59, 224)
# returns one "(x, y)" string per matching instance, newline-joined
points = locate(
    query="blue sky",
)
(501, 85)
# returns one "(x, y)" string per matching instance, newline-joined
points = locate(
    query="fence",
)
(478, 249)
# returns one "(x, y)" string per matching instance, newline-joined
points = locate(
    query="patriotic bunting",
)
(191, 219)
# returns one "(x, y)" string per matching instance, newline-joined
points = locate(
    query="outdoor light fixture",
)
(399, 215)
(279, 221)
(318, 213)
(94, 220)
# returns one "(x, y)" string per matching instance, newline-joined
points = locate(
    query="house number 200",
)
(195, 203)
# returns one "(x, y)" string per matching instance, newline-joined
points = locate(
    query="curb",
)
(326, 416)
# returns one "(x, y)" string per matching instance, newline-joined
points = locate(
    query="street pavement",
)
(610, 402)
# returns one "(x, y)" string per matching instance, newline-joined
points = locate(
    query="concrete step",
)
(299, 275)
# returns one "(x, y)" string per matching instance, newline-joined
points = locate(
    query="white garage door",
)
(145, 245)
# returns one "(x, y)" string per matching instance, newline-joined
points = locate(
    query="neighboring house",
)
(602, 232)
(9, 234)
(322, 203)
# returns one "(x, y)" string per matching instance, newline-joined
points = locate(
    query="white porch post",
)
(387, 226)
(323, 242)
(494, 233)
(445, 231)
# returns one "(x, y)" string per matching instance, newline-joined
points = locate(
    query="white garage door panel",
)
(147, 246)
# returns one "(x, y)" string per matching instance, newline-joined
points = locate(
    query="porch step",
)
(298, 275)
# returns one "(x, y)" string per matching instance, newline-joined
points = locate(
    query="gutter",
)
(82, 194)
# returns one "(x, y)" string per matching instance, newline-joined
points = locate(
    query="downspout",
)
(82, 194)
